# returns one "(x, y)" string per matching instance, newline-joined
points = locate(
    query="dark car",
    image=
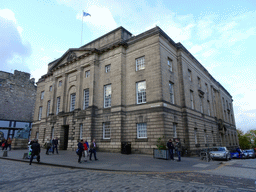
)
(250, 153)
(235, 155)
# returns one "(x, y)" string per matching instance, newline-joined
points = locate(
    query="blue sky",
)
(220, 34)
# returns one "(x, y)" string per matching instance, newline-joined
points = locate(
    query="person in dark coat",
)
(35, 151)
(178, 147)
(80, 150)
(93, 147)
(55, 145)
(170, 148)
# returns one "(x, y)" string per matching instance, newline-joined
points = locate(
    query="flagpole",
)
(82, 27)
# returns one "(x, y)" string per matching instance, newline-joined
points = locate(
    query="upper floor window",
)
(86, 98)
(42, 95)
(87, 73)
(201, 104)
(50, 88)
(209, 109)
(171, 93)
(107, 96)
(192, 99)
(199, 82)
(40, 113)
(195, 134)
(48, 107)
(106, 130)
(72, 101)
(169, 62)
(206, 90)
(107, 68)
(60, 83)
(140, 63)
(142, 130)
(58, 106)
(141, 92)
(223, 102)
(227, 103)
(81, 131)
(189, 75)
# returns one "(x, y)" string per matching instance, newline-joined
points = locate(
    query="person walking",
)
(80, 146)
(85, 154)
(55, 145)
(47, 145)
(170, 148)
(35, 151)
(178, 146)
(9, 144)
(3, 144)
(93, 149)
(87, 147)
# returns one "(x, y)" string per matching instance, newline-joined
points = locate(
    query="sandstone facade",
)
(123, 88)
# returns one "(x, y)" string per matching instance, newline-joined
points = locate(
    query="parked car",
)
(250, 153)
(220, 153)
(235, 155)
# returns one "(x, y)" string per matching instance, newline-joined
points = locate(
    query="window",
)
(169, 62)
(205, 137)
(223, 102)
(174, 130)
(87, 74)
(37, 135)
(140, 63)
(227, 103)
(232, 119)
(60, 83)
(107, 68)
(81, 131)
(58, 106)
(189, 75)
(52, 132)
(141, 130)
(206, 90)
(230, 106)
(201, 104)
(107, 96)
(192, 99)
(40, 113)
(106, 130)
(86, 98)
(141, 92)
(42, 95)
(199, 82)
(72, 101)
(48, 107)
(225, 115)
(171, 93)
(209, 109)
(50, 88)
(195, 133)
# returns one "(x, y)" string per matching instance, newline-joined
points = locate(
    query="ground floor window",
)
(106, 130)
(142, 130)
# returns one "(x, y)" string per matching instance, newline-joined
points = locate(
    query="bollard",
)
(5, 154)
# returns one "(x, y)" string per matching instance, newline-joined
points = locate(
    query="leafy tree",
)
(245, 139)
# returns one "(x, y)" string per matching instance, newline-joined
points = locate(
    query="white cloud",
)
(8, 14)
(39, 71)
(101, 18)
(195, 49)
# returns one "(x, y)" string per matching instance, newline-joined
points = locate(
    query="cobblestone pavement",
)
(20, 176)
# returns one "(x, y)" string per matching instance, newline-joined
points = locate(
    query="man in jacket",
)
(80, 146)
(178, 146)
(48, 146)
(93, 149)
(55, 145)
(170, 148)
(35, 151)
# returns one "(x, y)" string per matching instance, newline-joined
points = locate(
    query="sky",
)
(220, 34)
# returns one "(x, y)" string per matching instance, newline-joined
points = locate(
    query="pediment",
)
(71, 55)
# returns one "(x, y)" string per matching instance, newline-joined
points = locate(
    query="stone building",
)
(124, 88)
(17, 102)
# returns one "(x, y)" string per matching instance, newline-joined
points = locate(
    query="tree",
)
(245, 139)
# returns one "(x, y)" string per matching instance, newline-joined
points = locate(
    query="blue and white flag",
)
(85, 14)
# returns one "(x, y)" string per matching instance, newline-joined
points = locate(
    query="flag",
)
(85, 14)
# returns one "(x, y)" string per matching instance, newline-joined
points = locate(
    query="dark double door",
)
(65, 137)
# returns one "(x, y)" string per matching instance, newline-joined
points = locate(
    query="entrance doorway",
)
(64, 138)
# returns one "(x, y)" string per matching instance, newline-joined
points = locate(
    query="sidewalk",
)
(117, 162)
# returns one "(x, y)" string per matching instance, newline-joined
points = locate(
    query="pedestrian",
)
(35, 151)
(55, 145)
(80, 146)
(178, 147)
(3, 144)
(85, 151)
(47, 145)
(93, 149)
(87, 147)
(170, 148)
(9, 144)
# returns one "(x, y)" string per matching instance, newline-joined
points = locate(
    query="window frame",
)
(60, 83)
(87, 74)
(144, 125)
(192, 100)
(72, 102)
(143, 96)
(50, 88)
(40, 113)
(48, 108)
(42, 95)
(195, 135)
(190, 75)
(175, 135)
(170, 64)
(81, 131)
(86, 99)
(107, 99)
(171, 89)
(140, 66)
(58, 105)
(107, 68)
(105, 126)
(201, 104)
